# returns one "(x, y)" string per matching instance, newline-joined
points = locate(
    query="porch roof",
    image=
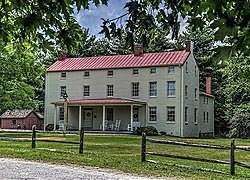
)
(101, 101)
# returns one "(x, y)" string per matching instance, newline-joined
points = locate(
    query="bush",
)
(50, 127)
(163, 132)
(149, 130)
(240, 125)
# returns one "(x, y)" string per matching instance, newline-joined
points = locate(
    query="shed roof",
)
(121, 61)
(19, 114)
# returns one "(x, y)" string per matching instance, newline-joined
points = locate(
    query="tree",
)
(21, 82)
(51, 21)
(229, 19)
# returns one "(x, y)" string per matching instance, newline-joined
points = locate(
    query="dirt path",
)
(20, 169)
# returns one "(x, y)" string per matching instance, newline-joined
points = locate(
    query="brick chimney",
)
(208, 85)
(62, 55)
(138, 50)
(188, 45)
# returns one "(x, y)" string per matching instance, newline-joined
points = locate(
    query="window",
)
(207, 117)
(204, 117)
(63, 91)
(63, 75)
(195, 93)
(207, 100)
(195, 115)
(135, 89)
(110, 114)
(152, 114)
(204, 100)
(152, 70)
(86, 74)
(186, 67)
(186, 91)
(13, 121)
(135, 72)
(171, 70)
(152, 89)
(61, 113)
(86, 90)
(171, 88)
(110, 90)
(195, 70)
(186, 114)
(171, 113)
(110, 73)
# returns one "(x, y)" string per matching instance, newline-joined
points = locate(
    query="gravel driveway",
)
(26, 170)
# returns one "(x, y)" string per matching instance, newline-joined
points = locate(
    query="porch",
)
(105, 114)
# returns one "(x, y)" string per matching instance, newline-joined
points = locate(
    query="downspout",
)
(45, 121)
(181, 101)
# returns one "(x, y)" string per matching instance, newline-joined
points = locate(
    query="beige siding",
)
(191, 80)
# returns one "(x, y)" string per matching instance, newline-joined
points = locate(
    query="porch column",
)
(131, 116)
(55, 114)
(103, 117)
(80, 118)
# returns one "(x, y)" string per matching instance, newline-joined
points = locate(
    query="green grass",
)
(122, 152)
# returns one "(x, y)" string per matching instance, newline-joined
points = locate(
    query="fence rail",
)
(33, 140)
(232, 149)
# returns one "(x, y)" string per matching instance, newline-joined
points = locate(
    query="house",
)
(21, 119)
(147, 89)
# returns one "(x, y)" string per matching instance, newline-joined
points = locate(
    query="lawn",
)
(122, 152)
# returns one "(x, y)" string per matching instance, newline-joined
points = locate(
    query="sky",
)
(91, 18)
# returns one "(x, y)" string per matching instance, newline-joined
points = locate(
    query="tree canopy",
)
(51, 21)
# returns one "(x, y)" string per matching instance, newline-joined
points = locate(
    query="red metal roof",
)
(121, 61)
(206, 94)
(102, 101)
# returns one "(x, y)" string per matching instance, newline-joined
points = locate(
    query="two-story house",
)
(151, 89)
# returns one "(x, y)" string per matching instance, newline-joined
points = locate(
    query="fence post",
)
(81, 141)
(232, 164)
(143, 147)
(33, 138)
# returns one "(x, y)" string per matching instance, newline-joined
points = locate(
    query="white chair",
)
(117, 125)
(105, 125)
(135, 125)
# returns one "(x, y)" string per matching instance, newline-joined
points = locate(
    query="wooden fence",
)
(232, 149)
(33, 139)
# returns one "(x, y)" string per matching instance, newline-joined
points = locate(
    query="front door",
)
(88, 118)
(135, 114)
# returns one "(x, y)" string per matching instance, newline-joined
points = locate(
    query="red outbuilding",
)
(21, 119)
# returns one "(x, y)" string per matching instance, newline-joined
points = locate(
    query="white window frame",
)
(153, 70)
(110, 73)
(186, 115)
(186, 91)
(170, 114)
(171, 89)
(195, 115)
(63, 91)
(61, 113)
(86, 74)
(135, 87)
(63, 75)
(171, 70)
(152, 114)
(135, 71)
(86, 90)
(110, 90)
(153, 89)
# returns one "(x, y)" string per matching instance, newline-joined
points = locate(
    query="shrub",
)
(163, 133)
(50, 127)
(149, 130)
(240, 125)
